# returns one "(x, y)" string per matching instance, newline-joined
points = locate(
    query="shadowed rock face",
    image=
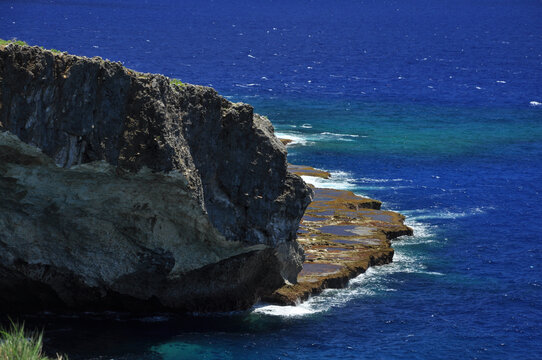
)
(143, 193)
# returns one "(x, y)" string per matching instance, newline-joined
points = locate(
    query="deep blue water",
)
(430, 106)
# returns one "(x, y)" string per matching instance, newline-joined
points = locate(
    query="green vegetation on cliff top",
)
(22, 43)
(15, 344)
(3, 42)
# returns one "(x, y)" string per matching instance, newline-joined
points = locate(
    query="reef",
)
(127, 191)
(342, 235)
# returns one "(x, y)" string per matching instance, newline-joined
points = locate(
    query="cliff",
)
(122, 190)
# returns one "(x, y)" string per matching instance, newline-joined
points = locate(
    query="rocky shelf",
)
(342, 235)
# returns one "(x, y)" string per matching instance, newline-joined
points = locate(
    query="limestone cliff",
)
(123, 190)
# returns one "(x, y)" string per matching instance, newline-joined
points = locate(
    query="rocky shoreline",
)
(342, 235)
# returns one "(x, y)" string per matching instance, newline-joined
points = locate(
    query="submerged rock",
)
(122, 190)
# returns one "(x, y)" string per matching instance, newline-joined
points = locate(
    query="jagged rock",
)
(132, 192)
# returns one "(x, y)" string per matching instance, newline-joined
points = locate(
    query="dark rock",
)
(162, 195)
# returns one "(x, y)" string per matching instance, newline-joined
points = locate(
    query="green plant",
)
(15, 344)
(12, 41)
(176, 82)
(22, 43)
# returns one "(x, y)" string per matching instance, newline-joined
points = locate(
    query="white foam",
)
(340, 135)
(296, 139)
(285, 311)
(247, 85)
(501, 82)
(338, 180)
(446, 214)
(535, 103)
(373, 180)
(306, 126)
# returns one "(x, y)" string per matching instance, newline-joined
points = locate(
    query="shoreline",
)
(342, 234)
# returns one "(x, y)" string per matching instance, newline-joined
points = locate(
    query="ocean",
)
(433, 107)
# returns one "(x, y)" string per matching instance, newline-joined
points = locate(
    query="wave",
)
(372, 180)
(446, 214)
(247, 85)
(296, 139)
(341, 135)
(535, 103)
(301, 138)
(340, 180)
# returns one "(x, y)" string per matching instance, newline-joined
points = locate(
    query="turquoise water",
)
(432, 107)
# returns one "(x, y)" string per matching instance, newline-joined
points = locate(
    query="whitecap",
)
(501, 82)
(306, 126)
(363, 179)
(443, 214)
(246, 85)
(296, 139)
(340, 135)
(535, 103)
(338, 180)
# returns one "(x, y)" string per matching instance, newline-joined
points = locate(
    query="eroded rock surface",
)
(343, 235)
(144, 193)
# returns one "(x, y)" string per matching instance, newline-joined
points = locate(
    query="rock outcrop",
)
(343, 234)
(122, 190)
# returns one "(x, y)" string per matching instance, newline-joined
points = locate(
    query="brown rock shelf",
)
(302, 170)
(342, 235)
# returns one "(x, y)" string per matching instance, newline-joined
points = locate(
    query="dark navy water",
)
(433, 107)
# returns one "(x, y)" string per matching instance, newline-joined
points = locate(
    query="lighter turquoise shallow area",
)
(404, 129)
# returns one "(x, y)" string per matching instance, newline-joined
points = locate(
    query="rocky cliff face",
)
(123, 190)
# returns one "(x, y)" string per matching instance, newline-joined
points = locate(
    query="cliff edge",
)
(123, 190)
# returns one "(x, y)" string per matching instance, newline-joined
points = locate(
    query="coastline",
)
(342, 234)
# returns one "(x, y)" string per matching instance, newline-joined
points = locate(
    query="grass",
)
(12, 41)
(22, 43)
(16, 344)
(176, 82)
